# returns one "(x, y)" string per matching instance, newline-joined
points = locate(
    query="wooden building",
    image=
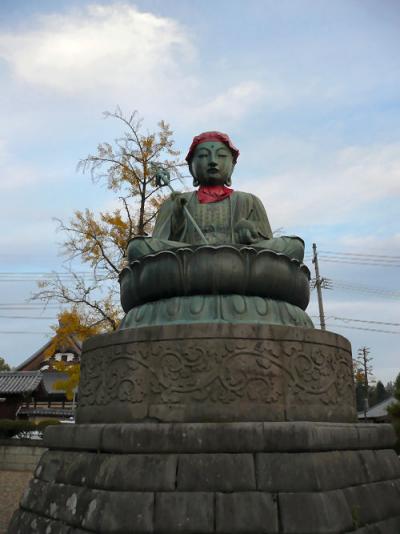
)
(28, 391)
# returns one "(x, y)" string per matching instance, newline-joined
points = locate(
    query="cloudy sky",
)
(307, 89)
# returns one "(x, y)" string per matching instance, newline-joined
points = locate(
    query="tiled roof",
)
(379, 410)
(75, 344)
(19, 382)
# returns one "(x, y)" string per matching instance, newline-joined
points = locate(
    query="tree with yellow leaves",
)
(71, 323)
(99, 241)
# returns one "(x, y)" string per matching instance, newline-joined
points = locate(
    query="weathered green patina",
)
(234, 219)
(237, 219)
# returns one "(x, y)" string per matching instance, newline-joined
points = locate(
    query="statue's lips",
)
(213, 171)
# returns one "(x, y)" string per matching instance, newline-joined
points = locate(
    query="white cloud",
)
(230, 105)
(117, 53)
(332, 191)
(14, 175)
(372, 243)
(99, 47)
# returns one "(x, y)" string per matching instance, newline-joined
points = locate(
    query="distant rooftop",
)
(13, 382)
(379, 410)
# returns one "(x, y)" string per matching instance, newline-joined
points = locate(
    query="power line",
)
(364, 321)
(42, 272)
(27, 317)
(359, 320)
(360, 254)
(39, 306)
(354, 262)
(362, 328)
(351, 286)
(368, 259)
(18, 332)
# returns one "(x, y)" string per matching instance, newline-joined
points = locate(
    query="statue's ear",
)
(195, 180)
(228, 181)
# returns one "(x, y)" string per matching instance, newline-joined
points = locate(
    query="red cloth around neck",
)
(213, 193)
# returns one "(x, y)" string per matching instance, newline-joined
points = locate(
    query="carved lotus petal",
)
(210, 270)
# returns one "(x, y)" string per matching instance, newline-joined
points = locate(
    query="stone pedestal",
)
(291, 478)
(216, 372)
(210, 428)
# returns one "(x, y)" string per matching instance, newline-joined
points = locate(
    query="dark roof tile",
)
(19, 382)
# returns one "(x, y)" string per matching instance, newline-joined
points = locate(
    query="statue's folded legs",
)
(291, 246)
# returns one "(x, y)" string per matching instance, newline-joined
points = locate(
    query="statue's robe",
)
(218, 221)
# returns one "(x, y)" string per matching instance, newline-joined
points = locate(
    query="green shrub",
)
(20, 428)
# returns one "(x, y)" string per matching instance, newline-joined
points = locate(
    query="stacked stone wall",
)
(19, 457)
(215, 478)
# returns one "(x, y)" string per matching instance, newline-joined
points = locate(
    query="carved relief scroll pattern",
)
(322, 372)
(218, 371)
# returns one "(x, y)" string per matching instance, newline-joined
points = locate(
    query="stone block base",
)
(288, 478)
(216, 372)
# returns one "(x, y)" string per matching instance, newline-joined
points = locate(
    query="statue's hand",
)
(246, 232)
(179, 202)
(162, 176)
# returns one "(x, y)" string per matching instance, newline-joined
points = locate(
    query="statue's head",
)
(212, 158)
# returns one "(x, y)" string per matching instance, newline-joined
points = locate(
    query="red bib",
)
(213, 193)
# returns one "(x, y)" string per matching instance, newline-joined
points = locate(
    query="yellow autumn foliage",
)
(99, 240)
(71, 324)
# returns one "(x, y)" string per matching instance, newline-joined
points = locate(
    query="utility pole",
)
(364, 361)
(318, 284)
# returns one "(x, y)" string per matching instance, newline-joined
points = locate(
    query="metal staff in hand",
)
(163, 178)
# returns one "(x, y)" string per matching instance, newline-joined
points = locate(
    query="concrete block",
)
(26, 459)
(34, 498)
(12, 465)
(374, 436)
(85, 437)
(307, 436)
(314, 513)
(311, 471)
(11, 458)
(380, 464)
(219, 437)
(96, 510)
(371, 503)
(78, 468)
(246, 512)
(135, 472)
(49, 466)
(67, 467)
(183, 437)
(388, 526)
(216, 472)
(24, 522)
(117, 512)
(191, 513)
(57, 501)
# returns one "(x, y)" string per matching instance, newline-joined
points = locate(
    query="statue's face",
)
(212, 163)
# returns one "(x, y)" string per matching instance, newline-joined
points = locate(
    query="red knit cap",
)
(212, 136)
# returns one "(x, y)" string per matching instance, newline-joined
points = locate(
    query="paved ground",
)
(12, 485)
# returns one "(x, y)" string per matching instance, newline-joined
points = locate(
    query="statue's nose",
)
(213, 160)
